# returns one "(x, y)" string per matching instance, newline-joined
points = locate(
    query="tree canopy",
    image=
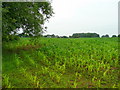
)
(118, 35)
(79, 35)
(30, 16)
(105, 35)
(114, 36)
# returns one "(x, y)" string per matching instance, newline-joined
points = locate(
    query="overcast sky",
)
(75, 16)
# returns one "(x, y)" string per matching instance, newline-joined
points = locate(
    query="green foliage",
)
(30, 16)
(114, 36)
(61, 63)
(79, 35)
(10, 38)
(105, 35)
(119, 35)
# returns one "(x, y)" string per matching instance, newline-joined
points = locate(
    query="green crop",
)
(61, 63)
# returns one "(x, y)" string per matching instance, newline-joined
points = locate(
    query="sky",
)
(82, 16)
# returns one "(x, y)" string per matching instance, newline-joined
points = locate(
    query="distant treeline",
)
(80, 35)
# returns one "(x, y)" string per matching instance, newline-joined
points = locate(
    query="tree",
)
(30, 16)
(114, 36)
(64, 37)
(79, 35)
(105, 35)
(70, 36)
(119, 35)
